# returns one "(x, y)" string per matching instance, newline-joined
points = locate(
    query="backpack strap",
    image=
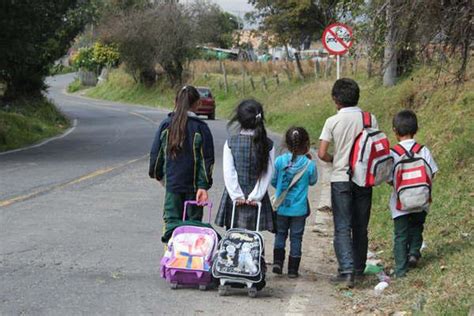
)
(416, 148)
(399, 150)
(367, 119)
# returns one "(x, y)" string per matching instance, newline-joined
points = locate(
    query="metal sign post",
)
(337, 39)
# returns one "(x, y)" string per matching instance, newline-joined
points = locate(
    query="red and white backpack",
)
(412, 179)
(370, 162)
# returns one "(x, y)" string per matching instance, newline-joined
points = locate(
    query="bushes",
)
(95, 57)
(105, 55)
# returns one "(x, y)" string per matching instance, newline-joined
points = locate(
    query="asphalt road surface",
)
(80, 222)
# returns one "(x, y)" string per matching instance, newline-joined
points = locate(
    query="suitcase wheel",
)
(173, 285)
(253, 292)
(202, 287)
(223, 290)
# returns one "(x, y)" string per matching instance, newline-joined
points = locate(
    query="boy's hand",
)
(323, 151)
(201, 196)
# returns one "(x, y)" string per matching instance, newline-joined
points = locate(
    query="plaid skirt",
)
(246, 215)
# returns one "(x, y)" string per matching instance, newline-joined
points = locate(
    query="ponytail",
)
(249, 114)
(297, 141)
(185, 99)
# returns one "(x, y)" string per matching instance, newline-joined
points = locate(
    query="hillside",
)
(443, 284)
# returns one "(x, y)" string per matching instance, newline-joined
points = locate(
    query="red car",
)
(208, 104)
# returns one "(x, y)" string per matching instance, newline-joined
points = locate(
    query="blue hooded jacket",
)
(296, 201)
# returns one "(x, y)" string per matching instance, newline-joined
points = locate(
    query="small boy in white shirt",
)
(408, 225)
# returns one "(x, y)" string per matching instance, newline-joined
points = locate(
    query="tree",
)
(212, 24)
(293, 22)
(34, 35)
(158, 34)
(421, 30)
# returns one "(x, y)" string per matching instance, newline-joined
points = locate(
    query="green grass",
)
(60, 70)
(29, 121)
(121, 87)
(446, 115)
(75, 86)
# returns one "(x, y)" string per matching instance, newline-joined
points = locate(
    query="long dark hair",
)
(185, 99)
(249, 115)
(297, 141)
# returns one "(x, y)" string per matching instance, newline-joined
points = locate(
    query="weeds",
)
(28, 121)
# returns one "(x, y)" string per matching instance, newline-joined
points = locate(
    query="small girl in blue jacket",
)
(294, 208)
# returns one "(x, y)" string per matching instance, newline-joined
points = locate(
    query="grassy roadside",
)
(29, 121)
(443, 284)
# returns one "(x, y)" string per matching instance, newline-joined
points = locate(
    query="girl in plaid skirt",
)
(248, 166)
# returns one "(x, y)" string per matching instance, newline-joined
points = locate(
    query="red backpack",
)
(370, 162)
(412, 178)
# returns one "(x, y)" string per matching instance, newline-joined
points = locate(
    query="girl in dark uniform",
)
(182, 159)
(248, 165)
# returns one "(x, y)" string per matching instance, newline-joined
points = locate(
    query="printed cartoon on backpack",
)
(239, 254)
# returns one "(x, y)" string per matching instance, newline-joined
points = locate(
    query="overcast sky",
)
(237, 7)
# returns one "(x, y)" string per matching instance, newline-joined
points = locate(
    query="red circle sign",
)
(337, 38)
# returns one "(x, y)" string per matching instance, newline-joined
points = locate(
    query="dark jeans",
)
(407, 241)
(296, 227)
(351, 211)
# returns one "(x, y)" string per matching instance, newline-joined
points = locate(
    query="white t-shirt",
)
(342, 129)
(425, 154)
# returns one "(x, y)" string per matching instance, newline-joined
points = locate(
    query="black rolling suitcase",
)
(240, 261)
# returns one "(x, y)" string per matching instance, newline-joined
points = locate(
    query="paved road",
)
(80, 222)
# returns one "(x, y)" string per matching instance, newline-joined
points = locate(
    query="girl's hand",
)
(240, 202)
(252, 203)
(201, 196)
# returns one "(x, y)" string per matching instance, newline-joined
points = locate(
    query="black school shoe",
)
(293, 266)
(346, 279)
(278, 260)
(412, 262)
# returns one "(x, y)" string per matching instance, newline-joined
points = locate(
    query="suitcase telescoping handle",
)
(204, 204)
(259, 210)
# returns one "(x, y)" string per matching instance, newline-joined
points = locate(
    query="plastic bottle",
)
(379, 288)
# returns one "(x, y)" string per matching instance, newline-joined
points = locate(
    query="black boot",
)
(293, 266)
(278, 259)
(346, 279)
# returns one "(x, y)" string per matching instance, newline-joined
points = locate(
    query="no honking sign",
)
(337, 38)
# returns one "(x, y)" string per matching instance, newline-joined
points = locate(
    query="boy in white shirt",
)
(408, 225)
(351, 203)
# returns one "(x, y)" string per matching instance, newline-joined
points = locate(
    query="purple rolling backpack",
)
(188, 258)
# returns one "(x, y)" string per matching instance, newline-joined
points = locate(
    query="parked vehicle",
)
(208, 104)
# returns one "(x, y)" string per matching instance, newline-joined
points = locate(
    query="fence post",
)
(317, 69)
(287, 71)
(252, 83)
(277, 79)
(226, 85)
(328, 68)
(243, 80)
(236, 86)
(264, 83)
